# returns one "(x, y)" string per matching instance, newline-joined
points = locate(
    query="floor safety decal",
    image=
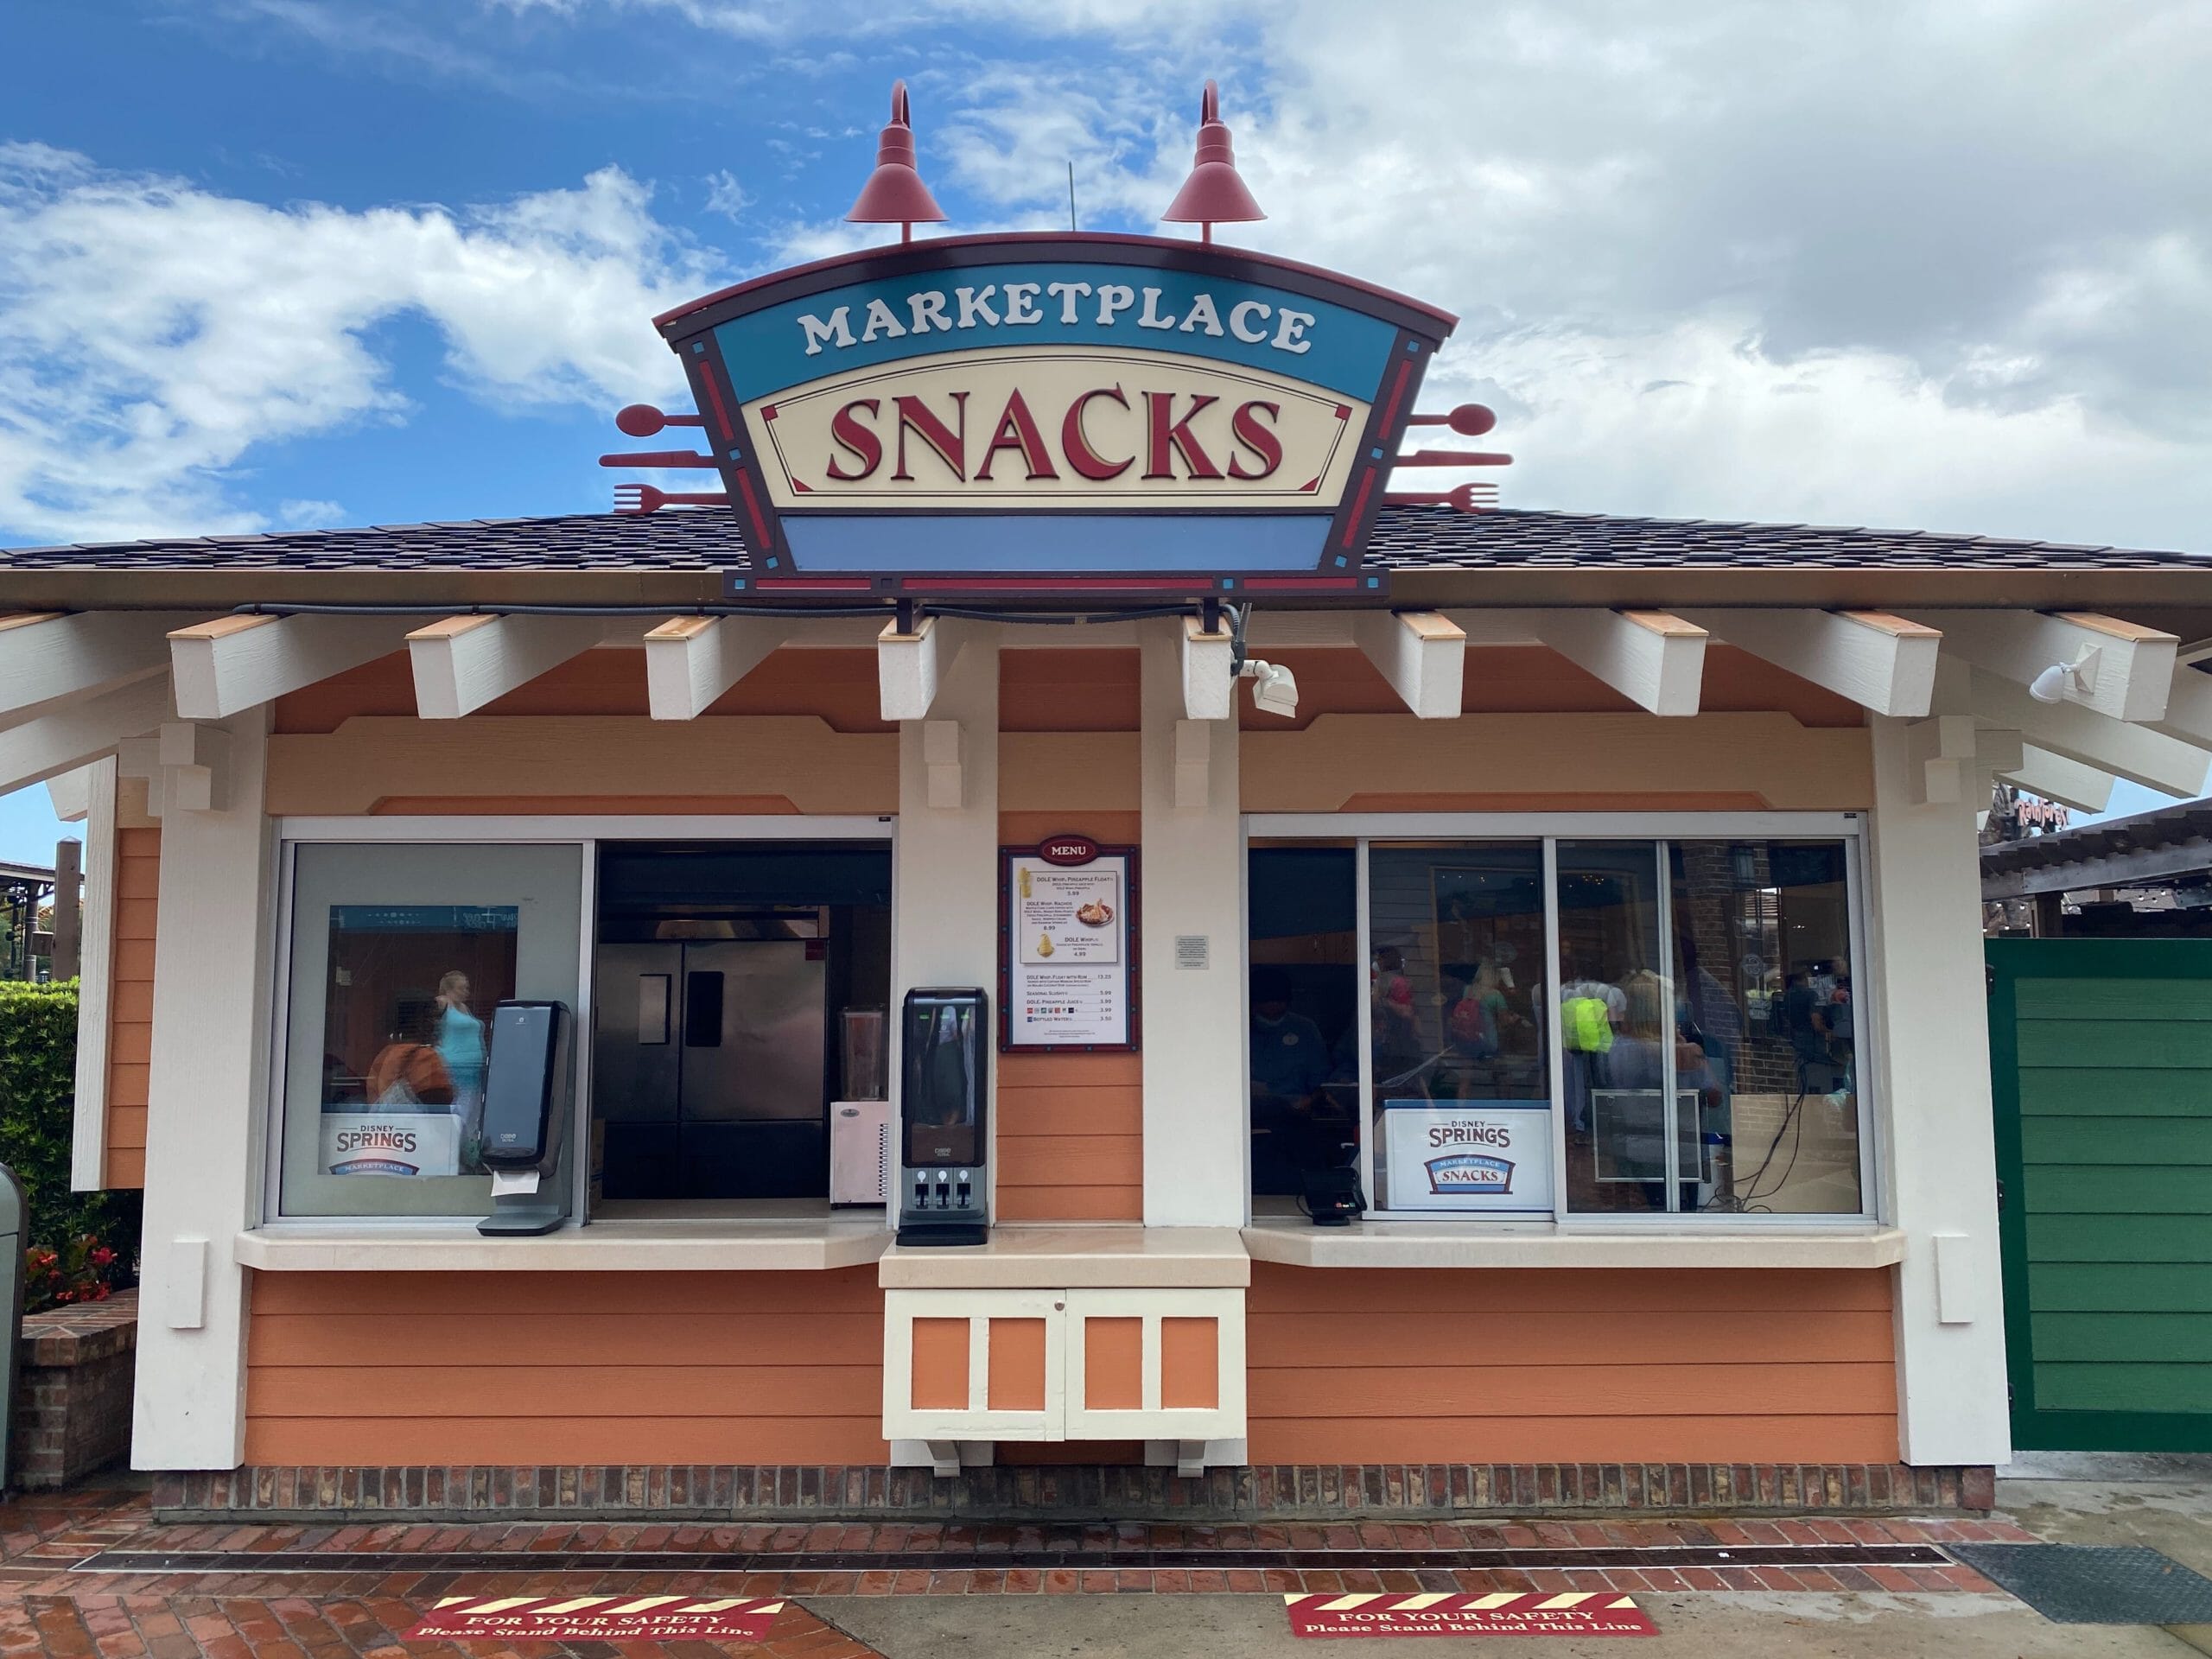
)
(1500, 1613)
(597, 1618)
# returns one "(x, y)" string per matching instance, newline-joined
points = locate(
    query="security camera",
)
(1275, 687)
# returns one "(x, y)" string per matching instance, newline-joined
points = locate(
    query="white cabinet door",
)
(1155, 1364)
(975, 1364)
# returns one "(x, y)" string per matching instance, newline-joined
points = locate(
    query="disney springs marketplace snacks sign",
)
(1054, 412)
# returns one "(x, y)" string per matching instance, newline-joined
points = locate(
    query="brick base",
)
(74, 1392)
(1120, 1493)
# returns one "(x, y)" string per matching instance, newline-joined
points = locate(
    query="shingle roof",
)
(1406, 539)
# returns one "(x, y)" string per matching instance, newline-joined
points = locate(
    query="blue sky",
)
(287, 262)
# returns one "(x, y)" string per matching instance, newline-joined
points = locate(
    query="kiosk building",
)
(1592, 901)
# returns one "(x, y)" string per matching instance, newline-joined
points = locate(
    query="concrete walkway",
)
(1718, 1625)
(339, 1593)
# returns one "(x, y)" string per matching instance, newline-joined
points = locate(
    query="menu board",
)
(1067, 947)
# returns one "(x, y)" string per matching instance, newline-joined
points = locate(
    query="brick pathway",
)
(245, 1613)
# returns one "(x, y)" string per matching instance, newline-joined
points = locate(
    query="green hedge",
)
(38, 1083)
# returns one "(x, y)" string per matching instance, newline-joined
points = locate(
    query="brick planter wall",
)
(73, 1401)
(1419, 1492)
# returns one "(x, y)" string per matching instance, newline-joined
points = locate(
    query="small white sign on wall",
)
(1193, 951)
(1492, 1155)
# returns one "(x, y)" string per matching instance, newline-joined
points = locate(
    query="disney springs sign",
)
(1059, 412)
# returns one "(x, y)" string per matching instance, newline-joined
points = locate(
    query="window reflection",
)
(1461, 1085)
(1304, 1015)
(1762, 953)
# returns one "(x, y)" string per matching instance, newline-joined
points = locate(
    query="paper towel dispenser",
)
(528, 1080)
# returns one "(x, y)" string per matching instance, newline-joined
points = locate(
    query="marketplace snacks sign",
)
(1037, 410)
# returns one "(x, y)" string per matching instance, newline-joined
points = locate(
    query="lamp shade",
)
(1214, 193)
(895, 192)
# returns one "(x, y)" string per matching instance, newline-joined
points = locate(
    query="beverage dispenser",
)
(945, 1078)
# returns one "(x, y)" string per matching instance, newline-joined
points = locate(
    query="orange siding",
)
(1070, 1126)
(130, 1004)
(522, 1367)
(1565, 1365)
(1093, 689)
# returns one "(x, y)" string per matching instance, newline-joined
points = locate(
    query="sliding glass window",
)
(1571, 1027)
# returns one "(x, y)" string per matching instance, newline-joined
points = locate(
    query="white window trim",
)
(585, 833)
(1362, 828)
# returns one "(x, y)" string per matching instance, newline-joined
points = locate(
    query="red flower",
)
(100, 1292)
(101, 1257)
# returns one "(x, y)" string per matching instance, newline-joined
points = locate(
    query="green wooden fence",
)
(2101, 1056)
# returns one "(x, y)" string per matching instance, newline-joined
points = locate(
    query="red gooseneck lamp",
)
(895, 192)
(1214, 193)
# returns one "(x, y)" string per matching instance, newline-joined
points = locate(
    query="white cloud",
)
(152, 332)
(726, 196)
(1915, 263)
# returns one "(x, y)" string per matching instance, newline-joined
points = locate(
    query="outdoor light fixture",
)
(2061, 680)
(1275, 687)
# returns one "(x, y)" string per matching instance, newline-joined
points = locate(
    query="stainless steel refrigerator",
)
(709, 1069)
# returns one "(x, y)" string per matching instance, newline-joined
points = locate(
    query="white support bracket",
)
(941, 756)
(1881, 662)
(1942, 751)
(237, 662)
(1422, 653)
(1193, 760)
(911, 666)
(1654, 659)
(464, 662)
(1209, 693)
(2125, 670)
(692, 660)
(195, 767)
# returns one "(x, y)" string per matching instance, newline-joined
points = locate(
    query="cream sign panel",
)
(1056, 429)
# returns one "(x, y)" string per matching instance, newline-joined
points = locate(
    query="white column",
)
(945, 866)
(1195, 1144)
(1940, 1174)
(203, 1130)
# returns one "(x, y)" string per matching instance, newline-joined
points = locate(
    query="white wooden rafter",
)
(1654, 659)
(1209, 690)
(45, 658)
(235, 663)
(692, 660)
(2054, 777)
(2126, 669)
(911, 666)
(461, 663)
(80, 731)
(1422, 653)
(1881, 662)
